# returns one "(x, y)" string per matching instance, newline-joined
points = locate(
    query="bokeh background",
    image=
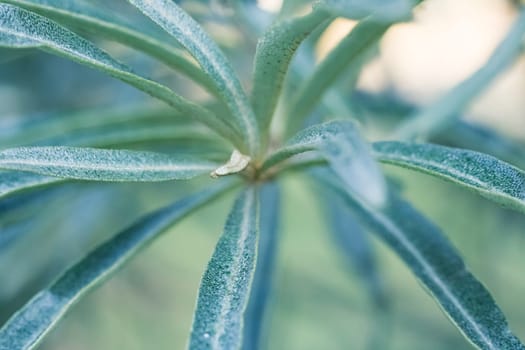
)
(319, 302)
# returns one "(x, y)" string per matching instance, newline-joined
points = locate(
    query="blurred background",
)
(318, 301)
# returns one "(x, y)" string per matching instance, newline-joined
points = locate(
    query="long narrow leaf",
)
(256, 311)
(20, 28)
(70, 14)
(484, 174)
(31, 130)
(340, 143)
(190, 34)
(274, 52)
(347, 53)
(135, 133)
(353, 243)
(102, 165)
(26, 329)
(485, 140)
(14, 181)
(435, 262)
(442, 113)
(378, 10)
(225, 286)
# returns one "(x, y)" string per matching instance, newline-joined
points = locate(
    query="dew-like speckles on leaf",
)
(484, 174)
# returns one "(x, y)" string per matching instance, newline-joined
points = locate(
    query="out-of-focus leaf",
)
(482, 139)
(102, 165)
(340, 143)
(484, 174)
(353, 243)
(388, 109)
(443, 112)
(275, 50)
(435, 262)
(256, 311)
(225, 286)
(378, 10)
(26, 329)
(78, 16)
(190, 34)
(14, 181)
(33, 130)
(20, 28)
(133, 133)
(346, 54)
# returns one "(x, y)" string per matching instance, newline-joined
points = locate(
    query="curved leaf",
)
(346, 54)
(485, 140)
(352, 242)
(20, 28)
(340, 143)
(484, 174)
(440, 114)
(275, 50)
(30, 131)
(26, 329)
(254, 317)
(190, 34)
(102, 165)
(71, 14)
(435, 262)
(225, 286)
(14, 181)
(133, 133)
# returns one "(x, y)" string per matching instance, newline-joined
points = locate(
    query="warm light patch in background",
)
(447, 41)
(270, 5)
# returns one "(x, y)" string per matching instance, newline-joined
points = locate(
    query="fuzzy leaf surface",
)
(26, 329)
(340, 143)
(225, 286)
(274, 52)
(81, 16)
(484, 174)
(20, 28)
(256, 311)
(190, 34)
(439, 267)
(102, 165)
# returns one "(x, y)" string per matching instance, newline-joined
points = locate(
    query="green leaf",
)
(135, 133)
(353, 243)
(190, 34)
(444, 111)
(439, 267)
(102, 165)
(275, 50)
(255, 315)
(29, 131)
(340, 143)
(26, 329)
(14, 181)
(20, 28)
(84, 18)
(484, 174)
(485, 140)
(225, 286)
(378, 10)
(109, 127)
(347, 54)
